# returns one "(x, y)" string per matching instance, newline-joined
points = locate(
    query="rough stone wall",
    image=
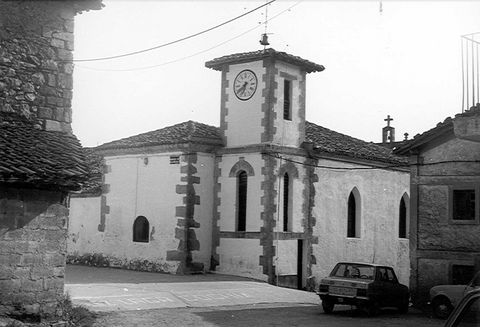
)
(36, 43)
(32, 251)
(435, 231)
(438, 242)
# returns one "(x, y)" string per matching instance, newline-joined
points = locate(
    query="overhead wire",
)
(192, 55)
(175, 41)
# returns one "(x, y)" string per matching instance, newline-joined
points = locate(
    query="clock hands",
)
(242, 89)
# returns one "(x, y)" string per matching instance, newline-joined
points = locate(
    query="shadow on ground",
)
(263, 315)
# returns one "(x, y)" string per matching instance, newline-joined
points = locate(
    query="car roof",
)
(363, 263)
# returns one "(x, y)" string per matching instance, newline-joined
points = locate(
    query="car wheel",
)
(403, 308)
(373, 309)
(327, 306)
(441, 307)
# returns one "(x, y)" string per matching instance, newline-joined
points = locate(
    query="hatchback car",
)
(367, 286)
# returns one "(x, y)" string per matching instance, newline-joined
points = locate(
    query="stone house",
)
(40, 159)
(266, 195)
(445, 195)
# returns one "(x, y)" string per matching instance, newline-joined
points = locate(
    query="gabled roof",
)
(323, 139)
(330, 142)
(443, 128)
(185, 132)
(218, 63)
(39, 158)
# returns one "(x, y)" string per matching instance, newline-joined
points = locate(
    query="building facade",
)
(40, 159)
(267, 195)
(445, 179)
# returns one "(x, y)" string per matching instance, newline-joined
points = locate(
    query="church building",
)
(266, 195)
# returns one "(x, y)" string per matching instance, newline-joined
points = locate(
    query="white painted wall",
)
(240, 257)
(83, 221)
(244, 114)
(296, 214)
(136, 189)
(380, 192)
(286, 256)
(287, 130)
(228, 194)
(143, 189)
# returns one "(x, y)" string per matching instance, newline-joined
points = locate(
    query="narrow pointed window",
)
(242, 201)
(287, 101)
(402, 220)
(286, 198)
(351, 224)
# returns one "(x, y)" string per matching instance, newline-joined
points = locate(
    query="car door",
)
(382, 287)
(394, 290)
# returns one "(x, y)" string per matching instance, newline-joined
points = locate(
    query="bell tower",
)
(263, 97)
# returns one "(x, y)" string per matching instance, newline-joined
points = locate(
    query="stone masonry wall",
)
(32, 251)
(36, 43)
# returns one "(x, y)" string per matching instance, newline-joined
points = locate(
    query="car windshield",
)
(353, 270)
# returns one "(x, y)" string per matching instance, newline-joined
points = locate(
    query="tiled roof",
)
(95, 162)
(330, 142)
(218, 63)
(189, 131)
(86, 5)
(442, 128)
(39, 158)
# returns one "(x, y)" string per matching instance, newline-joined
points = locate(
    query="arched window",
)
(353, 214)
(141, 228)
(242, 178)
(286, 199)
(403, 217)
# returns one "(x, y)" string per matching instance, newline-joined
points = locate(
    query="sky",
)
(397, 58)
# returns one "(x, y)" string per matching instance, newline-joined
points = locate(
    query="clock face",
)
(245, 84)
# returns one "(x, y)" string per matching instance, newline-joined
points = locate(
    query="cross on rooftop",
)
(388, 119)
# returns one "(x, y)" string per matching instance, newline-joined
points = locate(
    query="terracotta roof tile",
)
(29, 155)
(331, 142)
(189, 131)
(218, 63)
(443, 127)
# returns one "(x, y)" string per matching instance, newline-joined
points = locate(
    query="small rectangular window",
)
(463, 205)
(462, 274)
(174, 160)
(287, 105)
